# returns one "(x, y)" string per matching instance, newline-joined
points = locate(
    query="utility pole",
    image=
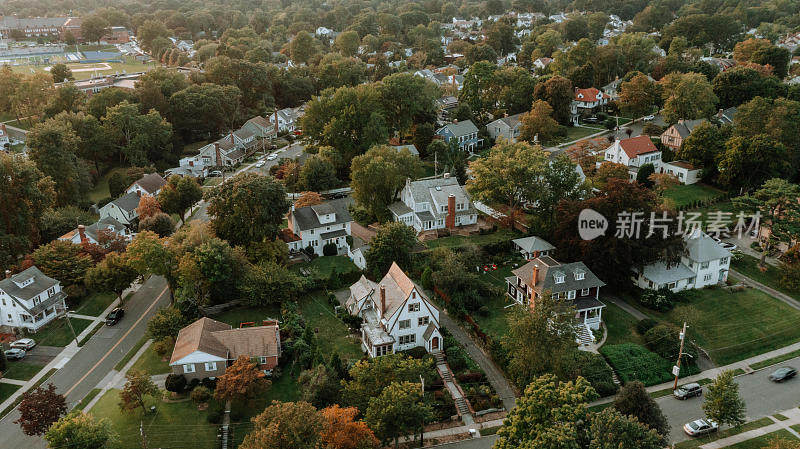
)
(69, 323)
(144, 436)
(422, 429)
(677, 368)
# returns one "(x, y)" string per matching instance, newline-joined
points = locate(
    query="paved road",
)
(761, 396)
(96, 359)
(475, 443)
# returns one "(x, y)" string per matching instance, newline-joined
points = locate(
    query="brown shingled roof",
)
(198, 337)
(250, 341)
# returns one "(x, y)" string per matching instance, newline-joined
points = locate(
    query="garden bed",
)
(633, 362)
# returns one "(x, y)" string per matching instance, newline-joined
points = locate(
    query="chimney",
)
(446, 175)
(450, 220)
(82, 231)
(233, 142)
(536, 255)
(276, 121)
(218, 153)
(138, 193)
(383, 300)
(8, 274)
(191, 163)
(719, 115)
(455, 121)
(680, 120)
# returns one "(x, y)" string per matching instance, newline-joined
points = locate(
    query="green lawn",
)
(326, 264)
(22, 124)
(697, 442)
(177, 424)
(764, 440)
(95, 304)
(733, 326)
(456, 241)
(190, 149)
(6, 390)
(100, 190)
(775, 360)
(575, 133)
(151, 363)
(684, 195)
(87, 399)
(748, 265)
(58, 333)
(21, 370)
(129, 66)
(495, 323)
(121, 364)
(621, 326)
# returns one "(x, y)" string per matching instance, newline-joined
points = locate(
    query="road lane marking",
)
(117, 343)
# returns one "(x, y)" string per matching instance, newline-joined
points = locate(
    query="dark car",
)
(114, 316)
(688, 391)
(782, 373)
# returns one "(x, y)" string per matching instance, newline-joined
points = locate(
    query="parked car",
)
(649, 118)
(260, 164)
(15, 354)
(700, 427)
(782, 373)
(591, 119)
(272, 157)
(215, 173)
(115, 316)
(24, 343)
(688, 391)
(729, 246)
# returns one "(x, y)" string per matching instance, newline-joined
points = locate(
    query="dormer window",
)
(579, 275)
(559, 278)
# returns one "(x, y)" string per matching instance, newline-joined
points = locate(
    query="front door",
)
(435, 344)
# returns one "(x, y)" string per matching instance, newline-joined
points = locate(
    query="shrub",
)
(483, 311)
(209, 383)
(635, 362)
(416, 353)
(163, 346)
(457, 358)
(200, 395)
(192, 384)
(175, 383)
(215, 412)
(470, 377)
(427, 278)
(664, 340)
(661, 300)
(645, 325)
(330, 249)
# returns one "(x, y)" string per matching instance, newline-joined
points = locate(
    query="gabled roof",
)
(702, 248)
(260, 121)
(511, 121)
(637, 145)
(460, 128)
(150, 183)
(362, 288)
(249, 341)
(306, 218)
(40, 283)
(198, 337)
(398, 288)
(685, 127)
(533, 243)
(660, 273)
(549, 269)
(589, 95)
(128, 202)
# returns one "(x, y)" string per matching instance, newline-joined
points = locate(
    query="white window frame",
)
(423, 320)
(262, 360)
(571, 294)
(584, 291)
(414, 307)
(704, 265)
(404, 324)
(210, 366)
(188, 368)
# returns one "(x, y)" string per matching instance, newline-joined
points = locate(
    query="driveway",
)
(42, 354)
(761, 396)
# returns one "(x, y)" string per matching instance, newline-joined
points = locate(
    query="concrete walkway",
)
(457, 430)
(116, 379)
(461, 403)
(792, 414)
(633, 311)
(21, 383)
(493, 374)
(768, 290)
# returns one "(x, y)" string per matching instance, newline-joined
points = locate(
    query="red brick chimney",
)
(450, 220)
(82, 232)
(233, 142)
(218, 154)
(383, 300)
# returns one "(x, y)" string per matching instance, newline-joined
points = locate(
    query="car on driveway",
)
(783, 373)
(649, 118)
(15, 354)
(591, 120)
(700, 427)
(688, 391)
(260, 164)
(115, 316)
(272, 157)
(24, 343)
(215, 173)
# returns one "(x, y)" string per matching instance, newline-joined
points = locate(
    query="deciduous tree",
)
(53, 147)
(148, 206)
(379, 174)
(749, 162)
(93, 28)
(160, 223)
(342, 431)
(638, 96)
(179, 194)
(39, 409)
(391, 244)
(538, 124)
(241, 380)
(613, 430)
(81, 430)
(557, 92)
(407, 99)
(112, 274)
(633, 400)
(137, 386)
(687, 96)
(318, 174)
(722, 402)
(397, 411)
(60, 73)
(282, 425)
(62, 260)
(308, 199)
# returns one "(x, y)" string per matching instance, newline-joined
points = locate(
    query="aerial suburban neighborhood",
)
(467, 224)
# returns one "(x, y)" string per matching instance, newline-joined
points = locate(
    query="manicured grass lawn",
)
(6, 390)
(121, 364)
(58, 333)
(255, 314)
(211, 182)
(326, 264)
(697, 442)
(88, 398)
(577, 132)
(621, 326)
(177, 424)
(151, 363)
(496, 322)
(95, 304)
(733, 326)
(748, 265)
(775, 360)
(764, 440)
(456, 241)
(100, 190)
(22, 370)
(683, 195)
(129, 66)
(17, 148)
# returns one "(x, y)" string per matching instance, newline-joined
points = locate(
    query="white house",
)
(287, 119)
(571, 282)
(4, 139)
(590, 99)
(704, 262)
(633, 153)
(315, 226)
(532, 247)
(150, 184)
(122, 209)
(436, 203)
(93, 232)
(685, 172)
(397, 315)
(228, 150)
(30, 299)
(507, 127)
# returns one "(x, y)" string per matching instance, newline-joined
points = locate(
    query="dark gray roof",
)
(333, 234)
(151, 183)
(429, 331)
(305, 218)
(235, 154)
(421, 189)
(425, 216)
(323, 209)
(461, 128)
(533, 243)
(686, 128)
(40, 283)
(586, 303)
(549, 268)
(128, 202)
(399, 208)
(93, 230)
(243, 133)
(511, 121)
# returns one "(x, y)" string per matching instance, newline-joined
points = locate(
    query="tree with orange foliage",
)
(308, 199)
(241, 380)
(582, 153)
(607, 171)
(341, 431)
(148, 206)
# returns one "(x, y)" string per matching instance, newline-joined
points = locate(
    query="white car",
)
(272, 157)
(700, 427)
(24, 343)
(260, 164)
(15, 354)
(649, 118)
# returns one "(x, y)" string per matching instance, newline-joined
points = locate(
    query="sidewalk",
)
(712, 373)
(458, 430)
(115, 378)
(792, 414)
